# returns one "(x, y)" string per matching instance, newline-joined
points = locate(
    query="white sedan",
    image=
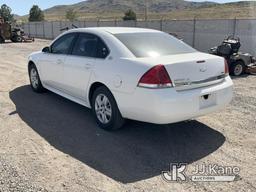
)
(132, 73)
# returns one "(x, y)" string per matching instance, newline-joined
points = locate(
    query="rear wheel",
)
(35, 81)
(105, 110)
(237, 68)
(18, 39)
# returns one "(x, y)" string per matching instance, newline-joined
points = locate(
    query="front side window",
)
(153, 44)
(63, 44)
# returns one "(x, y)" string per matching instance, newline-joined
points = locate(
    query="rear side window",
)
(153, 44)
(89, 45)
(102, 50)
(63, 44)
(86, 45)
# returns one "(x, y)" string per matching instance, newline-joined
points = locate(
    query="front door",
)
(52, 63)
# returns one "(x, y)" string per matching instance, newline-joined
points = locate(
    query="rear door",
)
(78, 66)
(52, 63)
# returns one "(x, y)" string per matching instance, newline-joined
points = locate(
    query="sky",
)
(22, 7)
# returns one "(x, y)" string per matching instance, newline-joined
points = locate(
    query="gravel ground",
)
(48, 143)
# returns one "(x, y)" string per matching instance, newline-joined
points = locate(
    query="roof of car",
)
(117, 30)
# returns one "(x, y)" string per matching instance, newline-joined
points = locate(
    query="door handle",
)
(87, 66)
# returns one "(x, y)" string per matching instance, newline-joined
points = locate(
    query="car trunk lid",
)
(192, 70)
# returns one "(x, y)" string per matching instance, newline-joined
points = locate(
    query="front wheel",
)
(237, 68)
(16, 39)
(35, 81)
(105, 110)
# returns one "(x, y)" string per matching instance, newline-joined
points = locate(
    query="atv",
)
(239, 63)
(15, 34)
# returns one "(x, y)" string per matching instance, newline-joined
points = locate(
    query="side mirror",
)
(46, 50)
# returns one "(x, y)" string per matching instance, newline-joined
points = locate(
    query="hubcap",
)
(103, 109)
(34, 78)
(238, 69)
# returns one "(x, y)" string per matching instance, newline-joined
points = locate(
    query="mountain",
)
(115, 8)
(174, 9)
(124, 5)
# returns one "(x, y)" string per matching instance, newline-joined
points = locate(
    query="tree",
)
(6, 13)
(71, 15)
(36, 14)
(129, 15)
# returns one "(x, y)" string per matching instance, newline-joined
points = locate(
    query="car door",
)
(78, 66)
(52, 63)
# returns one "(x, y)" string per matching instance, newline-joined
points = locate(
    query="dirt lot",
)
(48, 143)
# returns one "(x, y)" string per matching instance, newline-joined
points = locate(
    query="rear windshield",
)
(153, 44)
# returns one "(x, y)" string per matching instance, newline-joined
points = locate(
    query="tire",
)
(16, 39)
(108, 116)
(1, 40)
(35, 81)
(237, 68)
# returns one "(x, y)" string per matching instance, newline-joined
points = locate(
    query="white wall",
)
(202, 34)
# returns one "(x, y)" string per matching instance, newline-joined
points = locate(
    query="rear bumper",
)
(165, 106)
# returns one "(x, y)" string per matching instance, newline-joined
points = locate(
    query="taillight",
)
(156, 77)
(226, 68)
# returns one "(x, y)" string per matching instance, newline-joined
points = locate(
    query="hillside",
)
(116, 8)
(123, 5)
(169, 9)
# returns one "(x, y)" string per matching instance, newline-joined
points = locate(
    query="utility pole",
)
(146, 10)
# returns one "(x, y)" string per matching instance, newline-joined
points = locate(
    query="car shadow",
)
(136, 152)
